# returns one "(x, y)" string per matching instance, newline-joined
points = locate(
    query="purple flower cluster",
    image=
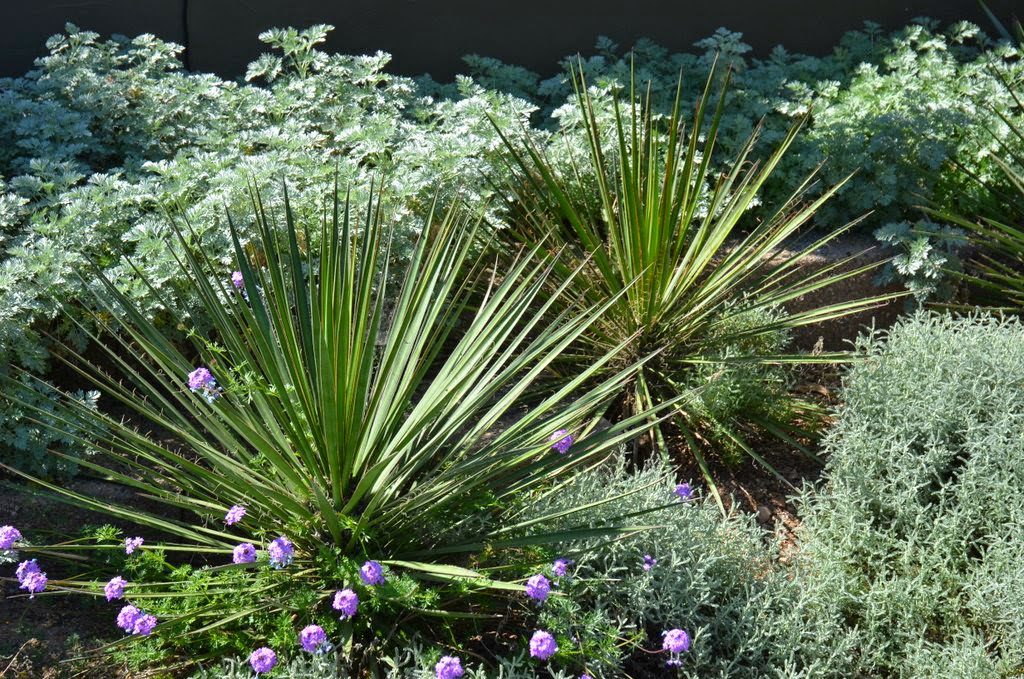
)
(234, 515)
(371, 573)
(560, 567)
(448, 667)
(201, 381)
(135, 621)
(649, 562)
(115, 588)
(281, 551)
(538, 587)
(313, 639)
(8, 536)
(542, 645)
(684, 492)
(26, 567)
(131, 544)
(346, 602)
(144, 625)
(237, 280)
(201, 378)
(244, 553)
(562, 441)
(675, 641)
(262, 660)
(30, 578)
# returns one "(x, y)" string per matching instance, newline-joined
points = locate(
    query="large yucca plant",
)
(362, 422)
(662, 245)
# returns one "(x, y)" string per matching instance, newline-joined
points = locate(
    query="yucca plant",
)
(356, 425)
(662, 244)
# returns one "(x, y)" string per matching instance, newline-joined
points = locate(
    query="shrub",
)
(27, 435)
(996, 220)
(350, 420)
(914, 546)
(662, 248)
(894, 108)
(106, 135)
(925, 258)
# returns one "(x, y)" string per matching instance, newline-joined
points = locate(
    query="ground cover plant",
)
(913, 551)
(333, 445)
(662, 240)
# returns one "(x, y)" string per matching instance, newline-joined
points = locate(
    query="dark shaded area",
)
(432, 37)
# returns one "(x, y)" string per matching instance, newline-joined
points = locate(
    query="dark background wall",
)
(432, 35)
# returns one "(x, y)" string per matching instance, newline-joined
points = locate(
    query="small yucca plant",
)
(371, 438)
(663, 248)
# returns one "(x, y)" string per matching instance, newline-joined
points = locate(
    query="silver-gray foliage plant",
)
(909, 562)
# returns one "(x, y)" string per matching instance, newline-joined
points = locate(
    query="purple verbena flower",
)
(649, 562)
(201, 378)
(127, 617)
(144, 624)
(448, 667)
(538, 587)
(237, 280)
(562, 441)
(131, 544)
(25, 568)
(676, 641)
(234, 515)
(201, 381)
(243, 553)
(584, 676)
(8, 536)
(281, 552)
(371, 573)
(115, 588)
(684, 492)
(262, 660)
(542, 645)
(313, 639)
(560, 567)
(347, 602)
(34, 583)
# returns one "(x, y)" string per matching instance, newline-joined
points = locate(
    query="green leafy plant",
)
(996, 225)
(926, 258)
(26, 443)
(362, 422)
(662, 247)
(412, 661)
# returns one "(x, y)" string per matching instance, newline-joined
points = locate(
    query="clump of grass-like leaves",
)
(665, 247)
